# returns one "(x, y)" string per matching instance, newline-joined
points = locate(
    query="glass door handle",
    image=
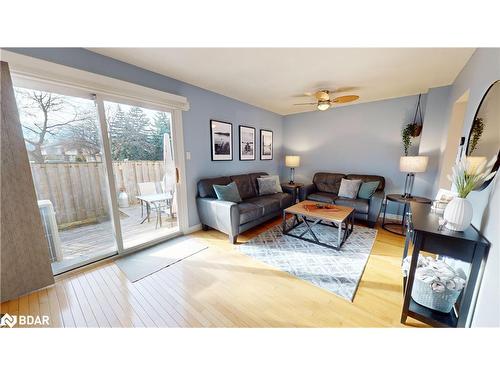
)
(177, 175)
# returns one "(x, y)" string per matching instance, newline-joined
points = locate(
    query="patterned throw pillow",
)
(367, 189)
(269, 185)
(228, 192)
(349, 188)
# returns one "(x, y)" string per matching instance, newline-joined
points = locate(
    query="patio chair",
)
(146, 188)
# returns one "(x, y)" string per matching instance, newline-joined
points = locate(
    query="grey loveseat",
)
(234, 218)
(325, 188)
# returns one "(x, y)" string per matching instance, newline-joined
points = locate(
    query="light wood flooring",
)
(220, 287)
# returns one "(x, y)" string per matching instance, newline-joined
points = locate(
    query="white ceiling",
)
(272, 78)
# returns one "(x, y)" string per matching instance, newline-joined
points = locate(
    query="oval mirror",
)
(484, 136)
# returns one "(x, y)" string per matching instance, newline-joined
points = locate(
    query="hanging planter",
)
(413, 129)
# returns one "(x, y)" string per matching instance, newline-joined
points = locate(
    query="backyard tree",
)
(45, 115)
(130, 134)
(161, 126)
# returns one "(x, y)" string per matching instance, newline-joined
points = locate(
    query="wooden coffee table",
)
(314, 213)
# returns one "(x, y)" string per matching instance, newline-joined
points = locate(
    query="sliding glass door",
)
(144, 172)
(104, 172)
(64, 146)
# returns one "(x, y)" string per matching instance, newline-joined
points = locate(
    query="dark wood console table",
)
(468, 246)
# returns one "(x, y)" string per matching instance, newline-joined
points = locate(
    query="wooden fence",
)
(78, 191)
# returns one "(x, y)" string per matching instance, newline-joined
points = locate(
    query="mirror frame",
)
(497, 163)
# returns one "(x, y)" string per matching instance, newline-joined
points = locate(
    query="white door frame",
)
(178, 150)
(43, 75)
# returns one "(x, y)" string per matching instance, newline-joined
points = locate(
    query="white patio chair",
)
(146, 188)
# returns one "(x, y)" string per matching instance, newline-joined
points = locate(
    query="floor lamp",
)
(412, 165)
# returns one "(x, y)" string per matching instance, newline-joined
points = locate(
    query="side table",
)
(294, 187)
(399, 228)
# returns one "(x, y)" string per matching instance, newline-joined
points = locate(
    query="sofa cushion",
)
(359, 205)
(253, 179)
(245, 186)
(368, 178)
(249, 212)
(322, 197)
(227, 192)
(349, 188)
(367, 189)
(328, 182)
(205, 186)
(269, 185)
(269, 203)
(285, 199)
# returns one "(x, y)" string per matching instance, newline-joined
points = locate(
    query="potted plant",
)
(466, 177)
(406, 135)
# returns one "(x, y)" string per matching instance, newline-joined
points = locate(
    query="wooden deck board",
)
(95, 240)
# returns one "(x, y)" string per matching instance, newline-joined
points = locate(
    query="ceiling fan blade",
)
(343, 89)
(306, 104)
(344, 99)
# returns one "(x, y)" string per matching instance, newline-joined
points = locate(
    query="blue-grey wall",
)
(478, 74)
(361, 138)
(436, 118)
(204, 105)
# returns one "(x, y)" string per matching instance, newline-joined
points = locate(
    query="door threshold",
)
(86, 265)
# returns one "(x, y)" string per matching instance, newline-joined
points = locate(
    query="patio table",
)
(155, 200)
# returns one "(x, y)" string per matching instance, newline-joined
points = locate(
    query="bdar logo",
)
(8, 320)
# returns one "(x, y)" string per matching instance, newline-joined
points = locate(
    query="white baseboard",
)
(392, 216)
(192, 229)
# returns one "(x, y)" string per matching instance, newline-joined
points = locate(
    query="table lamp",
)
(412, 165)
(292, 162)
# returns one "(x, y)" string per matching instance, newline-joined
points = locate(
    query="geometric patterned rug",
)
(338, 271)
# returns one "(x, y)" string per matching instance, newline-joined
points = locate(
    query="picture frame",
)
(266, 144)
(221, 140)
(247, 142)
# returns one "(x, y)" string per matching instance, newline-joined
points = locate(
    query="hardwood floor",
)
(221, 287)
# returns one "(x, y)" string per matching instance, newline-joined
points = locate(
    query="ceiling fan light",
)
(323, 106)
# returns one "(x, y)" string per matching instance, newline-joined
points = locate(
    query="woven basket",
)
(423, 294)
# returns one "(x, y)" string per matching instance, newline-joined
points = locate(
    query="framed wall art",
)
(221, 140)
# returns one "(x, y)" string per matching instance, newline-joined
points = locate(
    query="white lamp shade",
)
(413, 164)
(473, 162)
(292, 161)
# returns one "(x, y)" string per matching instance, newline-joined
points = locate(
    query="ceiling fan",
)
(325, 99)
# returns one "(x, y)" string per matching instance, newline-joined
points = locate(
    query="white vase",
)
(458, 214)
(123, 199)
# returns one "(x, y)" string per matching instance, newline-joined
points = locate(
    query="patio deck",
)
(79, 245)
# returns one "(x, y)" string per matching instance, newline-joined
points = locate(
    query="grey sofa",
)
(234, 218)
(325, 188)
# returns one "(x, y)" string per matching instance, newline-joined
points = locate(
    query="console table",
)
(469, 246)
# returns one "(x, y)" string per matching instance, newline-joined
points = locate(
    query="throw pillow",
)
(269, 185)
(367, 189)
(228, 192)
(349, 188)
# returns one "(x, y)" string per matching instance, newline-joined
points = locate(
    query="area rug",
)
(338, 271)
(146, 262)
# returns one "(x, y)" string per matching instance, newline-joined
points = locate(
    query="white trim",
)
(180, 161)
(36, 71)
(393, 217)
(111, 185)
(193, 228)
